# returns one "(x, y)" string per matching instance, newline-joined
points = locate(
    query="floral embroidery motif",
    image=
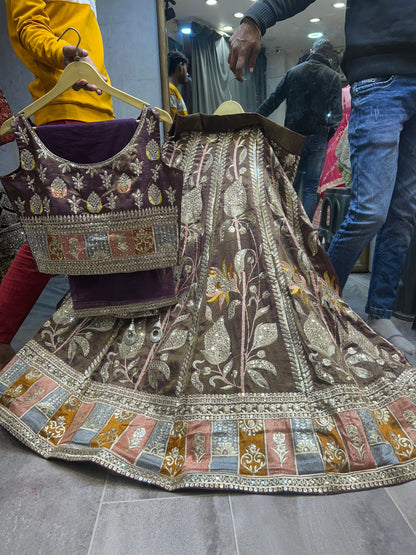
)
(280, 447)
(253, 459)
(136, 439)
(382, 416)
(356, 441)
(33, 374)
(27, 161)
(94, 203)
(107, 437)
(335, 456)
(154, 195)
(179, 430)
(152, 150)
(220, 284)
(36, 206)
(124, 184)
(251, 427)
(58, 188)
(174, 461)
(11, 394)
(410, 417)
(324, 424)
(199, 450)
(297, 283)
(55, 429)
(123, 415)
(403, 446)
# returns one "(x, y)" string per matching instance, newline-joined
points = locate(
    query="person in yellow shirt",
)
(178, 75)
(34, 27)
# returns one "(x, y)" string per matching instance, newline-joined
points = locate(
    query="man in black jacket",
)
(312, 91)
(380, 64)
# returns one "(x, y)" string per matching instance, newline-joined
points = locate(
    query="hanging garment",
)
(12, 235)
(332, 175)
(5, 113)
(87, 218)
(261, 378)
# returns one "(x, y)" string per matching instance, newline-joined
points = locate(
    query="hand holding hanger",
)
(74, 53)
(72, 74)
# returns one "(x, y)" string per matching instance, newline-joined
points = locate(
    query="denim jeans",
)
(309, 171)
(382, 135)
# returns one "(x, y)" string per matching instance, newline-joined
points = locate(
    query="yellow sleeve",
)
(33, 30)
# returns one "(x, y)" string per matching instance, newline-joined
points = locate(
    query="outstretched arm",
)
(245, 42)
(273, 101)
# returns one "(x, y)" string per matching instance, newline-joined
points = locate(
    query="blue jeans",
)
(382, 135)
(309, 171)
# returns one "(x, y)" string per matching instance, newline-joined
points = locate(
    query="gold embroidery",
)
(199, 450)
(94, 204)
(59, 188)
(280, 447)
(152, 150)
(356, 441)
(36, 206)
(253, 459)
(136, 439)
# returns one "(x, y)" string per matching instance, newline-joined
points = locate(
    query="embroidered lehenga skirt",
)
(262, 379)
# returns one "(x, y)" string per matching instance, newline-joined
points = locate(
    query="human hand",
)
(70, 55)
(244, 44)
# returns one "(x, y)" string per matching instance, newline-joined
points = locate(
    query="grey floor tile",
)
(46, 507)
(174, 526)
(360, 523)
(404, 497)
(122, 489)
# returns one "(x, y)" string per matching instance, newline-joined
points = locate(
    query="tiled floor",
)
(50, 507)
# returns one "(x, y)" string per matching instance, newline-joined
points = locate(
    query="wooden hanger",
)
(229, 107)
(75, 71)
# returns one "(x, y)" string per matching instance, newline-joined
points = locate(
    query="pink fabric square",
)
(198, 447)
(134, 438)
(279, 447)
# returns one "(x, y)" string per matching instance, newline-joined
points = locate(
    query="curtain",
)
(213, 81)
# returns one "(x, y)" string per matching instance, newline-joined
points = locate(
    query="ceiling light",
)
(339, 5)
(227, 28)
(315, 20)
(238, 14)
(210, 2)
(315, 35)
(186, 30)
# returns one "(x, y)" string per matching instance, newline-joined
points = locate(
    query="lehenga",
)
(12, 235)
(264, 379)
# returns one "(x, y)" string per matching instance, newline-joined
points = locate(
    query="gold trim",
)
(236, 406)
(307, 484)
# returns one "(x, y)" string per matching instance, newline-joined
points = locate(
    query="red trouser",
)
(19, 291)
(21, 286)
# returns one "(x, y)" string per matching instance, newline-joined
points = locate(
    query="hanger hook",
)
(245, 78)
(76, 58)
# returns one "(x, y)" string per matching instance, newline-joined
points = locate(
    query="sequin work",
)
(262, 379)
(89, 219)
